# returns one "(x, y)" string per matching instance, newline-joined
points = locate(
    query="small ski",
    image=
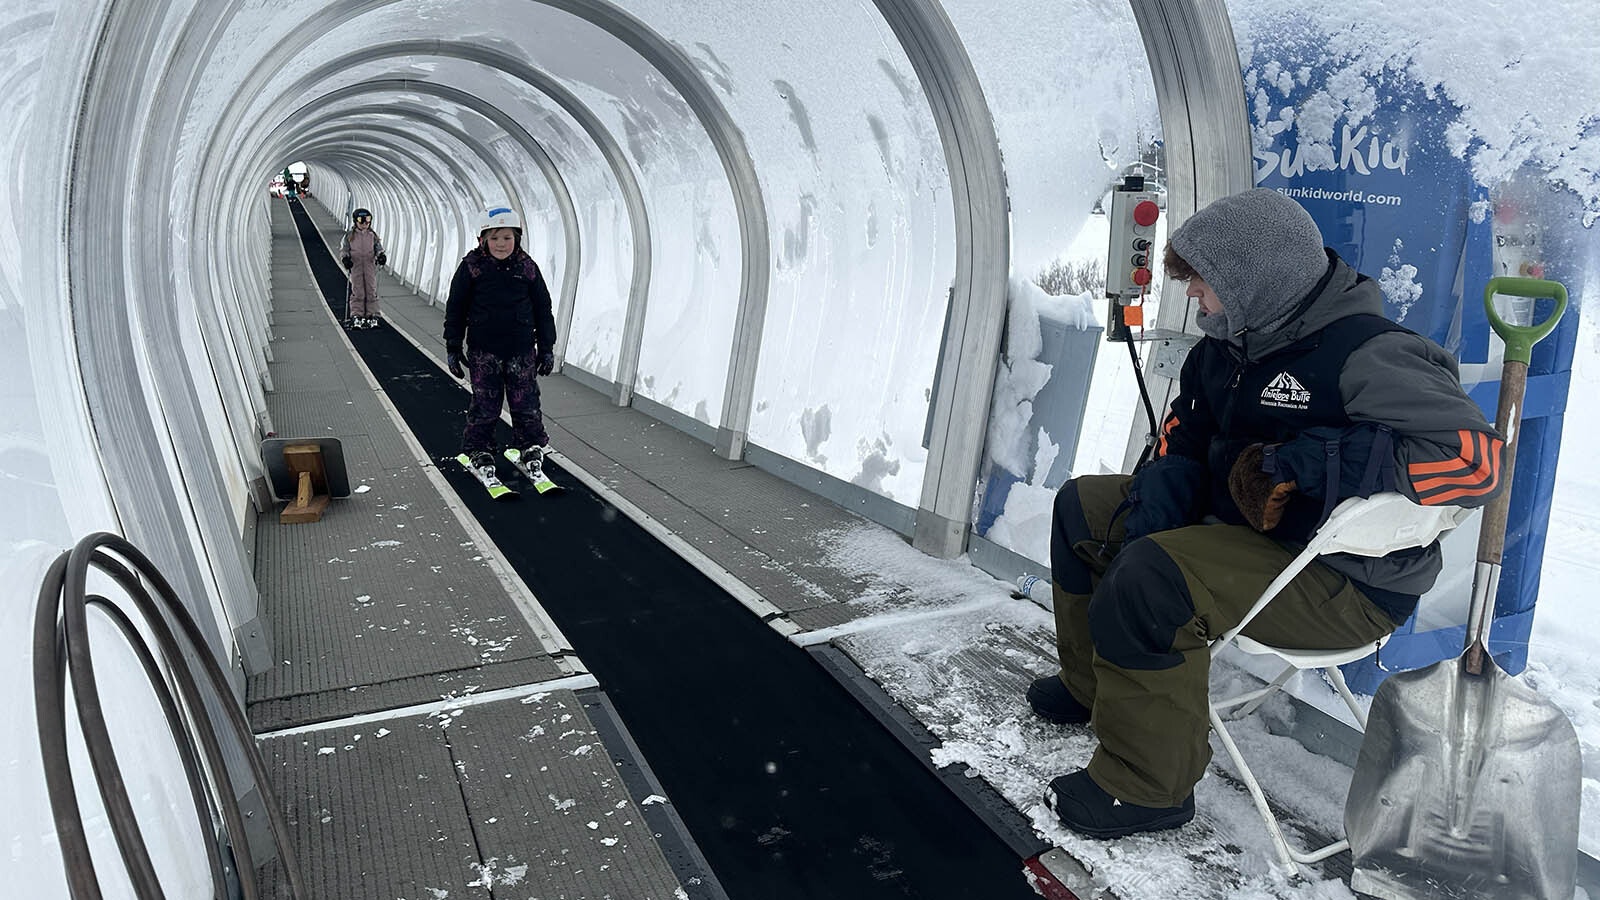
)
(535, 474)
(490, 480)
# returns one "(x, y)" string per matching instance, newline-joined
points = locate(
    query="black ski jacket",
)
(1347, 404)
(499, 306)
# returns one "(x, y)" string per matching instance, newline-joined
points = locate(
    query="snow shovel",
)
(1468, 783)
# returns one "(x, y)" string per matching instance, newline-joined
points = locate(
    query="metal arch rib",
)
(315, 128)
(725, 137)
(983, 260)
(330, 140)
(1205, 127)
(535, 150)
(749, 205)
(148, 496)
(610, 150)
(370, 170)
(326, 133)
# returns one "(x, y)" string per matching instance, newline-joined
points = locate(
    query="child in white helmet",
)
(499, 309)
(362, 253)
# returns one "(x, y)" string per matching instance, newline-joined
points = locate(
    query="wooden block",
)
(311, 483)
(307, 458)
(311, 512)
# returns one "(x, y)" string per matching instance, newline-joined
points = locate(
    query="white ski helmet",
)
(500, 217)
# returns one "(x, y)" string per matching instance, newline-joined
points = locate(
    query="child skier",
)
(500, 306)
(362, 252)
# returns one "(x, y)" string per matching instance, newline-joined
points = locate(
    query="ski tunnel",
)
(832, 285)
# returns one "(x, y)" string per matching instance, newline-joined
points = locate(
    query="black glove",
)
(383, 259)
(345, 260)
(546, 364)
(1259, 496)
(454, 362)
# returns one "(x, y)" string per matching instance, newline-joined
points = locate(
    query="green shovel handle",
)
(1521, 338)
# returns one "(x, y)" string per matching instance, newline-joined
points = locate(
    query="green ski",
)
(534, 472)
(487, 477)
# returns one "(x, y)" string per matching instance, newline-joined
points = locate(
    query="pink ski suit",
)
(359, 251)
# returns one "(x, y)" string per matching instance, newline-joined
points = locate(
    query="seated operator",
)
(1299, 395)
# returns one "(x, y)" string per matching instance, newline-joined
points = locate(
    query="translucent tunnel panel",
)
(858, 207)
(447, 174)
(606, 261)
(1071, 122)
(34, 510)
(693, 228)
(379, 121)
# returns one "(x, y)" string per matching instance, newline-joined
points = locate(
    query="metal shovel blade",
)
(1467, 787)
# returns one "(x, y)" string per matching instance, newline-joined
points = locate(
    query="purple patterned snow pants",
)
(509, 379)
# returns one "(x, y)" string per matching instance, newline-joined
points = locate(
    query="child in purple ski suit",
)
(499, 307)
(362, 253)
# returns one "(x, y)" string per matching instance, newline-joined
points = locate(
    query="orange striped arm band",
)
(1166, 429)
(1473, 472)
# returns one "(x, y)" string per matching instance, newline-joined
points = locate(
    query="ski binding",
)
(490, 480)
(535, 473)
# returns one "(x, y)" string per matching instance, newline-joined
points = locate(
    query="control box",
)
(1131, 257)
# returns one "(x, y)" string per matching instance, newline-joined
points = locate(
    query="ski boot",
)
(533, 458)
(483, 462)
(481, 465)
(530, 463)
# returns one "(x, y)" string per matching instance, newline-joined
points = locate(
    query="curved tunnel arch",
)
(982, 210)
(558, 184)
(407, 197)
(423, 158)
(530, 145)
(333, 131)
(365, 119)
(236, 107)
(611, 151)
(725, 137)
(124, 403)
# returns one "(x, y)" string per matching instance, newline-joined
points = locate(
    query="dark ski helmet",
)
(361, 213)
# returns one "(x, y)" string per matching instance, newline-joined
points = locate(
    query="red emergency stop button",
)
(1141, 277)
(1146, 213)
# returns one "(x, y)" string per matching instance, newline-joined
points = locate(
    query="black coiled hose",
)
(61, 646)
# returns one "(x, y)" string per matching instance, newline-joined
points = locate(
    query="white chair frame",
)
(1372, 526)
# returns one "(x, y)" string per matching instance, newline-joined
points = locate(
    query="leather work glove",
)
(383, 259)
(345, 261)
(1261, 497)
(454, 362)
(546, 364)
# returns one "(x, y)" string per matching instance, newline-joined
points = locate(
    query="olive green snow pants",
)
(1134, 623)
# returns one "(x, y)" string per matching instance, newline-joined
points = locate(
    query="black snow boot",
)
(1087, 808)
(1052, 702)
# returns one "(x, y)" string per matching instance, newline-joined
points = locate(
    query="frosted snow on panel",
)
(1527, 81)
(858, 208)
(1072, 122)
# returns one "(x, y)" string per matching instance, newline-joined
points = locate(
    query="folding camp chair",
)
(1371, 526)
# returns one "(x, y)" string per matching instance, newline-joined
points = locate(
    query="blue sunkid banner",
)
(1369, 157)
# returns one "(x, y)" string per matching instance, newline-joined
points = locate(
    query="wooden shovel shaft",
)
(1492, 534)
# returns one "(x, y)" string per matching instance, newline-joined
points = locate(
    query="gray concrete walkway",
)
(430, 731)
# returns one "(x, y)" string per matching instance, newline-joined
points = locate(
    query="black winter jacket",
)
(499, 306)
(1347, 404)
